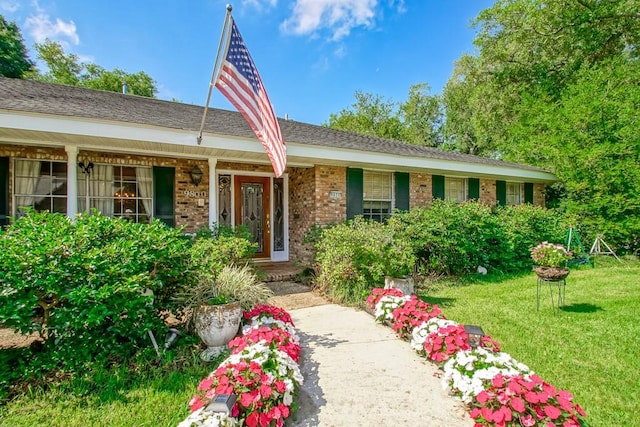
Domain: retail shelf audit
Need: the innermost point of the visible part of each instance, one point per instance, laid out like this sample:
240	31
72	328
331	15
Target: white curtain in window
27	175
101	189
144	179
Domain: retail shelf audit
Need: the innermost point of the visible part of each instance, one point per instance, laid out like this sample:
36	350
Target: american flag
241	84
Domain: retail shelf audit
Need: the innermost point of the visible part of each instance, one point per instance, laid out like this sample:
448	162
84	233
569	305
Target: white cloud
341	51
41	27
259	4
399	5
8	6
337	16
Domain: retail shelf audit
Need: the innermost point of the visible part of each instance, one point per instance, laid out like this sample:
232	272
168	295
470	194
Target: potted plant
216	303
550	260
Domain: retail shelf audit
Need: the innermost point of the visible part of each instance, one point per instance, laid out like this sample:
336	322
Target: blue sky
312	55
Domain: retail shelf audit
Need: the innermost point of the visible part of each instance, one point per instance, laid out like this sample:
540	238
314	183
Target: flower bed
497	389
262	371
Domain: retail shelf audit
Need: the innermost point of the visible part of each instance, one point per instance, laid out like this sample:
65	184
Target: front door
252	206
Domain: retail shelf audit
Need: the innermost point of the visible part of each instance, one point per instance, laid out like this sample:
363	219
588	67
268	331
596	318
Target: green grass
591	347
149	395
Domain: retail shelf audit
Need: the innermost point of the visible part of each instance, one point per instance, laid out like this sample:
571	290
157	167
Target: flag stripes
241	84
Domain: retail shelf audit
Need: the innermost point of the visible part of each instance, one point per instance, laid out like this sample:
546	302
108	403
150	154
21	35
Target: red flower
268	311
527	420
377	294
552	412
517	404
252	419
483	397
531	397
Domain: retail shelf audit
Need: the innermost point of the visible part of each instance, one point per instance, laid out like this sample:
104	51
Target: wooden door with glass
252	206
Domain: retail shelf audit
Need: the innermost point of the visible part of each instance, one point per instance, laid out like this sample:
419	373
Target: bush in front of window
92	288
451	238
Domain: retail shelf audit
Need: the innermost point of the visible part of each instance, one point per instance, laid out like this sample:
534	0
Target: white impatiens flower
468	373
202	418
384	308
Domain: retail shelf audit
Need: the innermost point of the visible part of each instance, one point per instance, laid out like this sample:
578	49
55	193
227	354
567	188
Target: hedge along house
69	150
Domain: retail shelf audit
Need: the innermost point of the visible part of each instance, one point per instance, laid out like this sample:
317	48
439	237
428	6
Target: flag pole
214	73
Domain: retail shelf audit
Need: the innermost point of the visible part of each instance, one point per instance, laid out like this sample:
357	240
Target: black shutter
474	188
501	193
528	192
163	194
437	186
354	192
4	191
402	191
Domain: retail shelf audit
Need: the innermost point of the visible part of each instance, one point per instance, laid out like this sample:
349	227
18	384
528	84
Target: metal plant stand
561	284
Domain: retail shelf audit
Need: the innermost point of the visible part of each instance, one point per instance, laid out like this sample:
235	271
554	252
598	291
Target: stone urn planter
551	273
217	325
405	284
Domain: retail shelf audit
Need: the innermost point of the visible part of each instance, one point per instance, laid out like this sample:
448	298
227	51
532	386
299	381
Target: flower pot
551	273
217	325
405	284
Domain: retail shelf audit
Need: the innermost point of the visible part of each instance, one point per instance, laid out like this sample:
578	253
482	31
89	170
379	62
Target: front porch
278	271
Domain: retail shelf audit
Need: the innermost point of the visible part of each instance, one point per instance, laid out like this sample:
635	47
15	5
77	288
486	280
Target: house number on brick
195	194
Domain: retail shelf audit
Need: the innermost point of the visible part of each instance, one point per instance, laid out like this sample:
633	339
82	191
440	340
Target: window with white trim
515	193
40	185
455	189
377	197
117	191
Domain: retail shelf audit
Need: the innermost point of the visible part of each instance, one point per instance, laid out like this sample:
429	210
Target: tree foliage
417	120
556	84
14	61
66	68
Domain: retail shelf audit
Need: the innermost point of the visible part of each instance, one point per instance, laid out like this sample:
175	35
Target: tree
555	84
370	115
417	120
14	61
422	116
67	69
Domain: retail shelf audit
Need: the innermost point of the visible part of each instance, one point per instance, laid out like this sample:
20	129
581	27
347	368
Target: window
41	185
515	192
455	189
377	195
117	191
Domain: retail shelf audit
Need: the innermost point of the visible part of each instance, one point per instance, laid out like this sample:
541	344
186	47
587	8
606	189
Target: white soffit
310	154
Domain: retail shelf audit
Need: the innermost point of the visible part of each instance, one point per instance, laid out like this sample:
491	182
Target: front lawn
590	348
146	395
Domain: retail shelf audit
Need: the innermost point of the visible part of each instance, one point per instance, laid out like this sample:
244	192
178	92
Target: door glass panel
252	211
278	214
224	200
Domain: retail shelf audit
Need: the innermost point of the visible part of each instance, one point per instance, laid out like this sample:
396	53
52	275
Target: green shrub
524	227
83	286
451	238
354	257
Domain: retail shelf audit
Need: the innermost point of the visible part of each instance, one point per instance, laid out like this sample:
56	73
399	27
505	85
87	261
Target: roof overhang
60	131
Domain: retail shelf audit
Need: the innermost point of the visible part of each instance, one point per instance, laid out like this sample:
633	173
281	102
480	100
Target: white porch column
213	192
72	180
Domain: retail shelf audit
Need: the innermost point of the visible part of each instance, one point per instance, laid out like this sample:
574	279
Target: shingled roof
47	98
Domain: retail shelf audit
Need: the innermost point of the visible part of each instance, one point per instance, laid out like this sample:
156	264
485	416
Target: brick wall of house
330	209
488	192
420	190
245	167
188	213
302	211
538	195
191	204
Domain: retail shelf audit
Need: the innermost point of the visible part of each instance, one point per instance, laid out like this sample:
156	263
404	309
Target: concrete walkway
358	373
